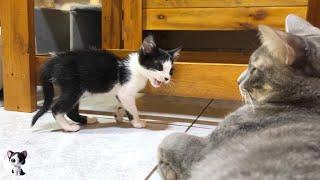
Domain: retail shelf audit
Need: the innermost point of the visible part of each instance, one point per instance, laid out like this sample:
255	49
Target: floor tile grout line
192	123
151	172
200	114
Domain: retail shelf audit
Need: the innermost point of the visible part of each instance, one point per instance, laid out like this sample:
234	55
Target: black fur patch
124	73
118	99
155	59
130	117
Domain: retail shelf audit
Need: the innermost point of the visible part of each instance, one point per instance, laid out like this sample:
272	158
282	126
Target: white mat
106	151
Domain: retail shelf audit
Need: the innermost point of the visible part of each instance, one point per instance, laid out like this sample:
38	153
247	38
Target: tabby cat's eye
252	70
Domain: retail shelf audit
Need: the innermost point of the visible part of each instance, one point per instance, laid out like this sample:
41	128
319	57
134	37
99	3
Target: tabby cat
277	134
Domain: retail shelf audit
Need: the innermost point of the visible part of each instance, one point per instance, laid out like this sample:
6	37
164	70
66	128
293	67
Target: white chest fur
17	170
137	81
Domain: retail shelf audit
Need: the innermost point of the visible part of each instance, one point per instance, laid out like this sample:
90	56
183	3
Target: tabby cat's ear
278	44
298	26
148	44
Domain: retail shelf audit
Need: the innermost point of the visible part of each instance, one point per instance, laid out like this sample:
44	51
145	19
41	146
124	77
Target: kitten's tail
48	93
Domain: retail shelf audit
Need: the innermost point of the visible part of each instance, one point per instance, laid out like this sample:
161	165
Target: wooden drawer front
220	3
204	80
217	18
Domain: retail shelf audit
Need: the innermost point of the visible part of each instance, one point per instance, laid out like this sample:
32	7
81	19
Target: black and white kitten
99	71
17	159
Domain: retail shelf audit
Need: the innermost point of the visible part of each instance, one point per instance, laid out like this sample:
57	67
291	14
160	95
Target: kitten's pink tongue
157	83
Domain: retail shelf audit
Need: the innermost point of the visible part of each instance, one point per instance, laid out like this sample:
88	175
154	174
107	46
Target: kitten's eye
159	67
171	71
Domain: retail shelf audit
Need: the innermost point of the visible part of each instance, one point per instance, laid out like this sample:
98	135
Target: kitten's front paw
139	123
92	120
72	128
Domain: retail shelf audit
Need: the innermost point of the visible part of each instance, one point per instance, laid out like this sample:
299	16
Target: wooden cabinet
197	74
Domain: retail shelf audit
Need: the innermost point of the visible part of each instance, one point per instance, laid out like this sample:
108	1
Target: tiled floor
107	150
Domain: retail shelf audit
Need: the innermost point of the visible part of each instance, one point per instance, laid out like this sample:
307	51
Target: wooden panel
202	57
220	3
204	80
111	24
314	12
217	18
18	55
215	57
132	24
40	60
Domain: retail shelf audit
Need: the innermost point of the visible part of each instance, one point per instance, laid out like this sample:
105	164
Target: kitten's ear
9	154
148	44
24	153
175	53
278	44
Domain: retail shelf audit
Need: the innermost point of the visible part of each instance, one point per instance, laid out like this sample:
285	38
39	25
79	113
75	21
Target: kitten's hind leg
64	104
118	115
74	115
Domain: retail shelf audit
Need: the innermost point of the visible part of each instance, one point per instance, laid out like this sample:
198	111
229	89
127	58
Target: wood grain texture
18	55
111	24
191	79
203	80
215	57
220	3
217	18
314	12
202	57
132	24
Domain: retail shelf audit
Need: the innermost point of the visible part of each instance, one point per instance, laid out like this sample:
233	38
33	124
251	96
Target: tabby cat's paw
166	171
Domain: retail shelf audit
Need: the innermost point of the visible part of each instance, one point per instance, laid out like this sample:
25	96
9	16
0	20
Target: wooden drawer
218	14
203	80
151	4
217	18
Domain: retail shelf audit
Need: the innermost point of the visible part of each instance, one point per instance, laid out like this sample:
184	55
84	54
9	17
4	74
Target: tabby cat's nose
241	77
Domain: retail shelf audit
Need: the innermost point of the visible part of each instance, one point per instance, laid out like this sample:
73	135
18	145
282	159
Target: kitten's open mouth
156	83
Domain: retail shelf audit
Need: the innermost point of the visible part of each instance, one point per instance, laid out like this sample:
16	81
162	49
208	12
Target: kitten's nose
166	79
